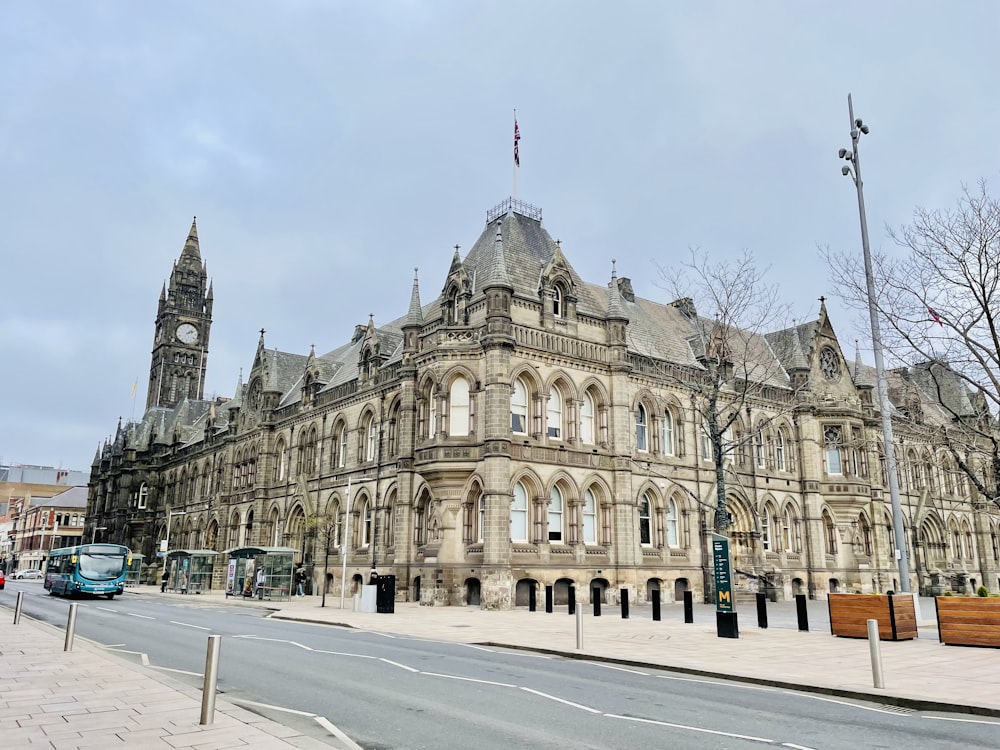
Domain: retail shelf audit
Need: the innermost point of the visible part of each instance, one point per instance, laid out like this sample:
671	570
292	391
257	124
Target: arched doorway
599	590
680	586
560	591
522	591
416	588
472	592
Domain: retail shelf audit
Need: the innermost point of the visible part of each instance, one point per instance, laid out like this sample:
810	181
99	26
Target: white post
876	654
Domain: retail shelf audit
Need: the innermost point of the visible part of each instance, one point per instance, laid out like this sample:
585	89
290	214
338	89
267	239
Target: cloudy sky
328	148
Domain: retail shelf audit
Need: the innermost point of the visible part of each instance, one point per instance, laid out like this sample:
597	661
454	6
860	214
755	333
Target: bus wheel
110	596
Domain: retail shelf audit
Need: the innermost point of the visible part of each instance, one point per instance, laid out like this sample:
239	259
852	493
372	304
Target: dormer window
557	302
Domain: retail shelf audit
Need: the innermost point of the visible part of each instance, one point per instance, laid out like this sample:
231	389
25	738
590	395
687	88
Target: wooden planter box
849	615
968	620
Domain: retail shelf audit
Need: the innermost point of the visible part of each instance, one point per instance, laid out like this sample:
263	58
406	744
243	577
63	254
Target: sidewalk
89	699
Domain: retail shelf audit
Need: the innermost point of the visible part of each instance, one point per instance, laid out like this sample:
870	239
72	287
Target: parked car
31	574
3	581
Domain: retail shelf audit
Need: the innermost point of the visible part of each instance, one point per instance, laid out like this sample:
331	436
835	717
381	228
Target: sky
329	148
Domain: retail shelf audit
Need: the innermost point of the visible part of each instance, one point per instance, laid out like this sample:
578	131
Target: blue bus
88	569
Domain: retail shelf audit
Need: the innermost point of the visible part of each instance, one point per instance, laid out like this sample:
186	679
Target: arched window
366	523
587	419
589	518
831	534
640	429
554	414
673	538
519	514
282	462
557	301
758	448
866	535
765	529
371	438
481	535
831	438
555	515
645	529
668	433
458	408
519	408
779	450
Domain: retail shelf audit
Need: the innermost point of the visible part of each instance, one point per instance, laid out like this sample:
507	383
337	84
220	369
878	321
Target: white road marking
344	653
967	721
384	635
795	747
144	617
142	656
692	729
113	645
244	702
561	700
178	671
844	703
469	679
397	664
188	625
106	609
617	669
348	742
479	648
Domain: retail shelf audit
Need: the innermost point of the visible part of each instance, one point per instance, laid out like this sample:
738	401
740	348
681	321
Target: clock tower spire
183	322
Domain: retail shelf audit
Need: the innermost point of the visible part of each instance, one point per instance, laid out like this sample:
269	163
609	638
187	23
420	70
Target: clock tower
183	322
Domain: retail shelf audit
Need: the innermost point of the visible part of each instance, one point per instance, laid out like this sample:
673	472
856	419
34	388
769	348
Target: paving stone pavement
88	698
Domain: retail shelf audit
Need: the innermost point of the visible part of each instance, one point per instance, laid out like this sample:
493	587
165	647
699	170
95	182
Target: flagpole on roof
517	160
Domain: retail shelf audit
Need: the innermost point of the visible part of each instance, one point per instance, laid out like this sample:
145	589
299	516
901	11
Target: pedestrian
261	581
163	583
300	581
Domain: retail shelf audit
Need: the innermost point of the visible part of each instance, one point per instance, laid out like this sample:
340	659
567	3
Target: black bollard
656	606
572	600
595	597
800	608
688	606
532	597
624	596
548	599
761	610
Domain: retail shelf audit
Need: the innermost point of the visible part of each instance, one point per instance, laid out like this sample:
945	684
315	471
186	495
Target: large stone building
518	432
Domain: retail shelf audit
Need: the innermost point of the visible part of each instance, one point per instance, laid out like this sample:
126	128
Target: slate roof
75	497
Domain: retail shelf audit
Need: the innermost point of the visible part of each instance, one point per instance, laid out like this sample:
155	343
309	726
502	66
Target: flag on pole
134	386
517	137
935	316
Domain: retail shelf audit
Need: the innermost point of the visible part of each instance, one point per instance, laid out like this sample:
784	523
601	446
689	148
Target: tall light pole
345	541
853	169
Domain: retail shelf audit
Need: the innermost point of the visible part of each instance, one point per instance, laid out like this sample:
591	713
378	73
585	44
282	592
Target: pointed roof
616	310
415	315
191	247
495	273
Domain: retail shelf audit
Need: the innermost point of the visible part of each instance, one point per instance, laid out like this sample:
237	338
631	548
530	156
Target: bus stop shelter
244	564
133	575
189	571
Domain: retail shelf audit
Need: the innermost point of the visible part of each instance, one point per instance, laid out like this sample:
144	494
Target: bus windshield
101	567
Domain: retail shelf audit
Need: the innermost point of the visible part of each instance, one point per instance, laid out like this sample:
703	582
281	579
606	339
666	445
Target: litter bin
385	597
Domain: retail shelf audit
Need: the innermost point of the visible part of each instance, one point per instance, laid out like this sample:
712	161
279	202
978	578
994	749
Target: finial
822	299
415	270
262	332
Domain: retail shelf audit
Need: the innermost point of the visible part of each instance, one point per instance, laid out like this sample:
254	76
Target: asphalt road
397	693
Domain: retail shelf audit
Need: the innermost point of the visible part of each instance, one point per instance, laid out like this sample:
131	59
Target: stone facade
518	432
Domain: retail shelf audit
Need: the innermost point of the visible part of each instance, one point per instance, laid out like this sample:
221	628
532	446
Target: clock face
187	333
829	364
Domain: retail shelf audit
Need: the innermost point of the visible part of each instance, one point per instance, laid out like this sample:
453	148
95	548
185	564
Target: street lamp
166	542
853	169
344	542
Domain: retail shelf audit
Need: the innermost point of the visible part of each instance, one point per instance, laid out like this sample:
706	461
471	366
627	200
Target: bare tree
735	308
940	302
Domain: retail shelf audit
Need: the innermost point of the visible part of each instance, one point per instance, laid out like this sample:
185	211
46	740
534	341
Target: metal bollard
211	680
800	607
572	600
595	597
873	646
548	599
579	629
17	607
532	599
624	599
688	606
656	606
761	610
70	627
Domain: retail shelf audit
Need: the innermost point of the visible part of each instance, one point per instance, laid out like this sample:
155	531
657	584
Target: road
397	693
